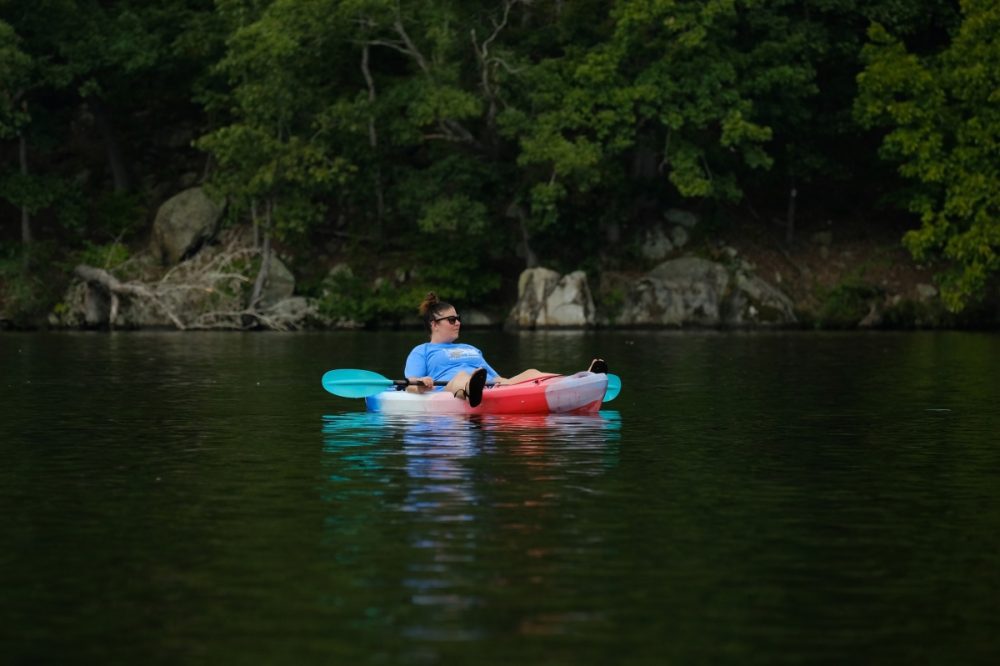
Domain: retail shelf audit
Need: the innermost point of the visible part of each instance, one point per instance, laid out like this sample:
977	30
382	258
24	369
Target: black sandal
476	385
598	365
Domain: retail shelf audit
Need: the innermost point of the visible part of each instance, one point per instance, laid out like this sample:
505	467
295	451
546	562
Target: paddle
361	383
349	383
614	387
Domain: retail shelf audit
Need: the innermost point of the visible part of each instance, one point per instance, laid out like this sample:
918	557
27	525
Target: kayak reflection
419	505
445	462
454	433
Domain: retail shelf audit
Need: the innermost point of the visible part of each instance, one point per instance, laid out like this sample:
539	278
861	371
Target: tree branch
486	62
410	46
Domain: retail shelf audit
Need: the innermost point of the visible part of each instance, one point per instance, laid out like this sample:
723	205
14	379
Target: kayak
581	393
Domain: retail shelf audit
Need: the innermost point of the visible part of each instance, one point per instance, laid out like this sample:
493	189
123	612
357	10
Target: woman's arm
415	370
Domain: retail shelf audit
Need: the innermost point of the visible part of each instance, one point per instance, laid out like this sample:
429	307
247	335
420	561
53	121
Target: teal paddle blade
348	383
614	387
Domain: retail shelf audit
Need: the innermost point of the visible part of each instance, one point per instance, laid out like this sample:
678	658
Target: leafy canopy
943	115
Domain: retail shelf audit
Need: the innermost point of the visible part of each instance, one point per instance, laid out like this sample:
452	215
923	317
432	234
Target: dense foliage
450	143
944	113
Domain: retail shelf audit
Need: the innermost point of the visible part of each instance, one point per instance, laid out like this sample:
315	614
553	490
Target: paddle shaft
614	385
401	384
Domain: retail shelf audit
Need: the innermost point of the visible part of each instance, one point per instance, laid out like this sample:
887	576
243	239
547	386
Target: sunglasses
453	319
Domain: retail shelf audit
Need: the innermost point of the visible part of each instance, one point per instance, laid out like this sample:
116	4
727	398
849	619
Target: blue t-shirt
443	360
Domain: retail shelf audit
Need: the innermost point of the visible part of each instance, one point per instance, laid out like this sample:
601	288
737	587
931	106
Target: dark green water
770	499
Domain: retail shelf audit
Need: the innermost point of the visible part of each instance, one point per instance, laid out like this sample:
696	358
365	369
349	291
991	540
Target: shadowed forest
384	148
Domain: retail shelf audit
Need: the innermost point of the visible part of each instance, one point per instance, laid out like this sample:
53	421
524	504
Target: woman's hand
420	384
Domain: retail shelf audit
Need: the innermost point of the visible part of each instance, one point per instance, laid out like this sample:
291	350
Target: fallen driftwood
207	291
100	278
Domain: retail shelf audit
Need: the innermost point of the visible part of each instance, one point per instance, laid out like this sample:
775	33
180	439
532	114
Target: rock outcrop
697	292
683	292
548	300
686	291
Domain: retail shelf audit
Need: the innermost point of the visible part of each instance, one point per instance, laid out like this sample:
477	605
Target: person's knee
459	380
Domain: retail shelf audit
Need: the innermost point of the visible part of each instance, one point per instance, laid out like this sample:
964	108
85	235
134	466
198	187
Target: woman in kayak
462	366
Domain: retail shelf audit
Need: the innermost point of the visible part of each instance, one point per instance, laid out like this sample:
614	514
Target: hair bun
430	300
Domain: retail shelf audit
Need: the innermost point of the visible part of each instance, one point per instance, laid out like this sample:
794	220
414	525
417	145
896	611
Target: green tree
17	186
366	119
14	73
271	160
943	115
638	104
641	103
430	103
118	60
800	63
111	75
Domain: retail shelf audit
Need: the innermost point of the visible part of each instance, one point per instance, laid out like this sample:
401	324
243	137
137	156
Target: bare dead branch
410	46
487	64
498	27
111	284
204	292
394	45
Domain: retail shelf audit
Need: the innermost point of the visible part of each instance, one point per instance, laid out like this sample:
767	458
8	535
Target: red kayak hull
581	393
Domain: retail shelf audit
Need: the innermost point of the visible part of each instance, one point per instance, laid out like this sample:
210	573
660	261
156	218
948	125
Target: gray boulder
925	292
756	302
533	286
697	292
679	236
183	224
478	318
295	313
681	217
678	292
656	245
280	283
548	300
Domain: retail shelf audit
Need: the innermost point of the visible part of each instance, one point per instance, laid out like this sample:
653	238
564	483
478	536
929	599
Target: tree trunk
517	212
265	261
22	152
255	219
373	143
116	160
790	225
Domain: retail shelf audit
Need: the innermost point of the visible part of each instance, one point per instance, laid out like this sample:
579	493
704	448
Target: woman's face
445	326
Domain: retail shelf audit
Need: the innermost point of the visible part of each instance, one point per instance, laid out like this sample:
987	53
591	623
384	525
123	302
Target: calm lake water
797	498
